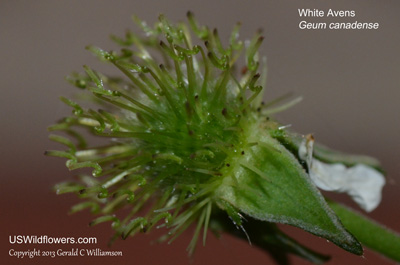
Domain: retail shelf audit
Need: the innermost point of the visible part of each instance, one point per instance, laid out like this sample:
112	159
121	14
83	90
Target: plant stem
368	232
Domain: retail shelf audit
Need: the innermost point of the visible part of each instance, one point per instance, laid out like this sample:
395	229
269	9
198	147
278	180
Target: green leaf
370	233
269	184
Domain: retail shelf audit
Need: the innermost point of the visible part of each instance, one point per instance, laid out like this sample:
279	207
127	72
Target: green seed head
187	139
176	124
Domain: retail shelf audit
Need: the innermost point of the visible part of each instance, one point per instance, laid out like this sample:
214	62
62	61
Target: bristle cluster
172	127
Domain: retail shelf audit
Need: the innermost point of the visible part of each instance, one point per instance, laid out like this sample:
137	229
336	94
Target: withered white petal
364	184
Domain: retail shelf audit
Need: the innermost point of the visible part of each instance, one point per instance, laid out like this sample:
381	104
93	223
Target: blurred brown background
350	81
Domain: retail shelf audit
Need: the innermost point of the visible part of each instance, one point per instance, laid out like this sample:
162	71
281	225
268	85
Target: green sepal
269	184
326	154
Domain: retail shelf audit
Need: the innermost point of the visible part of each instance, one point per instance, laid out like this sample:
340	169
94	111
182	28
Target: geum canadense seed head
187	139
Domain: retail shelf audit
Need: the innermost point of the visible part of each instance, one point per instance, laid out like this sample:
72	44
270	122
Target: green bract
187	140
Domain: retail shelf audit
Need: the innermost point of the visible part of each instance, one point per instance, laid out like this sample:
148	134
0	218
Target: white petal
364	184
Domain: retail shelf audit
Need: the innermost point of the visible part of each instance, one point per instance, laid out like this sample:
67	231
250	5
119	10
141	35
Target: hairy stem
368	232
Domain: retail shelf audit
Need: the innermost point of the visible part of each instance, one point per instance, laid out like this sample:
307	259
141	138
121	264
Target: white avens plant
187	139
